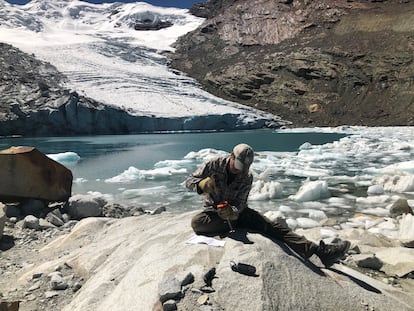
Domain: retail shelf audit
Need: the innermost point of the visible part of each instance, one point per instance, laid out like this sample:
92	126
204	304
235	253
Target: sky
165	3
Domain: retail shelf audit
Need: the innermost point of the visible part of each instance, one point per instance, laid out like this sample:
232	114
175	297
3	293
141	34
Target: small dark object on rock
243	268
207	289
209	276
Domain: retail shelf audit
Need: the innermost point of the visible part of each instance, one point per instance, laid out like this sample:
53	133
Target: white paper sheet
201	239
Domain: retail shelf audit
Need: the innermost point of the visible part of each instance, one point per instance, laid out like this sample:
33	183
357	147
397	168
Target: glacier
104	58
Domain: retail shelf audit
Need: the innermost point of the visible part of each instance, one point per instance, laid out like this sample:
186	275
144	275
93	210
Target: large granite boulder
25	172
146	262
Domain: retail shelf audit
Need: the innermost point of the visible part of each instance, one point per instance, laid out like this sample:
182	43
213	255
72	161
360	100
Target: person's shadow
240	234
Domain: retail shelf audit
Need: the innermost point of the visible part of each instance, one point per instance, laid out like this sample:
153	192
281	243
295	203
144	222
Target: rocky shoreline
70	256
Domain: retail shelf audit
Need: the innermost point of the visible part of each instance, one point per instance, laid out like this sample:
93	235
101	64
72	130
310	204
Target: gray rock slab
123	261
398	261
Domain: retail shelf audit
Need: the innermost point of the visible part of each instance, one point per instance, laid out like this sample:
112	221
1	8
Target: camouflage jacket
235	193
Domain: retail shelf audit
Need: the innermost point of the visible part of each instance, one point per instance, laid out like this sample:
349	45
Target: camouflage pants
208	222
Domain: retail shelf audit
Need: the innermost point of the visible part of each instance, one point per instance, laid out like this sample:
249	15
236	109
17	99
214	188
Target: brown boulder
25	172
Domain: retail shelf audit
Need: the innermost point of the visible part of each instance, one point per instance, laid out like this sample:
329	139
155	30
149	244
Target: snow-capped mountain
105	58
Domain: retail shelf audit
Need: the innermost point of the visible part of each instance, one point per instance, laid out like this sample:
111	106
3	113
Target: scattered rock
55	217
400	207
84	205
185	278
207	289
169	288
169	305
37	275
158	210
31	222
34	287
57	282
44	224
202	300
76	286
119	211
369	261
209	276
50	294
314	108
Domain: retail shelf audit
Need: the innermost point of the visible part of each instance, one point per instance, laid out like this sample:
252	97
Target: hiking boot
329	254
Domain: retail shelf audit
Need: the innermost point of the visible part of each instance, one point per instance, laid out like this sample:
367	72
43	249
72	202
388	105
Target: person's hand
228	212
207	185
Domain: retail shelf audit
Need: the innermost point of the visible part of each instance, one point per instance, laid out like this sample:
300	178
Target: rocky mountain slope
116	80
36	102
314	63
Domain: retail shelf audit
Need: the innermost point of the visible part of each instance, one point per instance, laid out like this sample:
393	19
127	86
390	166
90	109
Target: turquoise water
155	163
146	149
